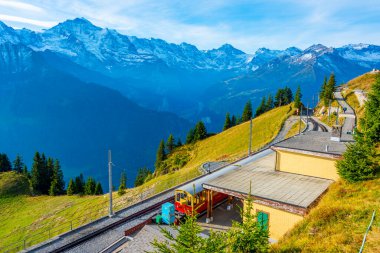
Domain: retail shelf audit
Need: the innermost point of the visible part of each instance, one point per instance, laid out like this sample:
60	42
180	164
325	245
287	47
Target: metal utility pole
307	114
250	137
110	182
299	131
337	116
329	108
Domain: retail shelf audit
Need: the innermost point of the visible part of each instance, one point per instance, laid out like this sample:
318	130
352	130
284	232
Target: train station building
285	184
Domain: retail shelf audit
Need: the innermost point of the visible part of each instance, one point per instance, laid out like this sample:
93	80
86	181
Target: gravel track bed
71	236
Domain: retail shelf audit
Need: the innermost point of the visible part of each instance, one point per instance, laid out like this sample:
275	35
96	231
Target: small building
313	153
287	183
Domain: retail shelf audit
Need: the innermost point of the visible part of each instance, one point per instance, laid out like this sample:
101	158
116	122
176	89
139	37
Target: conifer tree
233	120
330	87
248	236
170	143
247	112
160	155
70	188
89	188
227	122
323	91
123	183
57	183
190	136
79	184
270	104
48	172
261	108
142	175
360	160
297	98
18	164
288	95
200	131
36	174
5	164
98	189
371	120
25	171
179	143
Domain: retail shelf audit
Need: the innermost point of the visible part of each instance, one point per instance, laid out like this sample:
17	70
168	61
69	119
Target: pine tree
5	164
36	176
49	172
25	171
329	91
270	104
170	143
261	108
89	188
179	143
200	131
98	189
371	121
142	175
233	120
279	98
360	160
79	185
123	184
227	122
323	91
58	178
297	98
160	155
247	112
188	239
248	236
190	136
18	164
288	95
70	188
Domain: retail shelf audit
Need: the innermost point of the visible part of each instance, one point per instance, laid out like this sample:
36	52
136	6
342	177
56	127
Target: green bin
158	219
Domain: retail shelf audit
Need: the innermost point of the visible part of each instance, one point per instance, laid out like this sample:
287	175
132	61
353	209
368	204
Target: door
263	219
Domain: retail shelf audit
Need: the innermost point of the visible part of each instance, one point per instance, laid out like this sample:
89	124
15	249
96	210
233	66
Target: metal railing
50	230
367	231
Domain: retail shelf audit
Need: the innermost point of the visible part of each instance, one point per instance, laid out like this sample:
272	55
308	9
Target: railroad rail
317	125
133	216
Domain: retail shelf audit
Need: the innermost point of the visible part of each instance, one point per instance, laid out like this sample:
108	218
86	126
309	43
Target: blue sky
247	25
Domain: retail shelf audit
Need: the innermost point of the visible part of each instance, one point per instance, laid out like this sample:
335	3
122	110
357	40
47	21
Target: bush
358	163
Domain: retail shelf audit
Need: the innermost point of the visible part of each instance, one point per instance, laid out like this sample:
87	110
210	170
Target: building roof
315	142
198	184
267	184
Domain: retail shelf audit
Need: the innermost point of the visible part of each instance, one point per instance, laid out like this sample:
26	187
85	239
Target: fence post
49	233
24	243
71	225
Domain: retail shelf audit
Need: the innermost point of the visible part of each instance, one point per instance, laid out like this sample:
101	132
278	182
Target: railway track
317	125
95	233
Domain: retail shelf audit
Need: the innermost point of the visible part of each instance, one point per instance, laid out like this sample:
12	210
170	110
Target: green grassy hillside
339	221
363	82
12	184
26	216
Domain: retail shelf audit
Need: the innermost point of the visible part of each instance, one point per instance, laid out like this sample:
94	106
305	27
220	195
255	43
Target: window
178	197
263	219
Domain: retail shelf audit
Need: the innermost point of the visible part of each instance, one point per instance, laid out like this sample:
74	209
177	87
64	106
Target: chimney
336	133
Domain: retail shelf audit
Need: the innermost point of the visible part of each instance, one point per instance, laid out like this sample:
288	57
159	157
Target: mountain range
98	88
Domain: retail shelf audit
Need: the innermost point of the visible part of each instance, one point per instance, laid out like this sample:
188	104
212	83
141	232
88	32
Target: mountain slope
46	110
229	145
182	79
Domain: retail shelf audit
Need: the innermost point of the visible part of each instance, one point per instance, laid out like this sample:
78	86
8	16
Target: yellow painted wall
279	221
306	165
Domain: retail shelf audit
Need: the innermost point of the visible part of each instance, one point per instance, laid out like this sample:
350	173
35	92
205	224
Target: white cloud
35	22
20	5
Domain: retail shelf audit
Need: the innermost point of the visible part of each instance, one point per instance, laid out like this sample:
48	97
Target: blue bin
167	213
